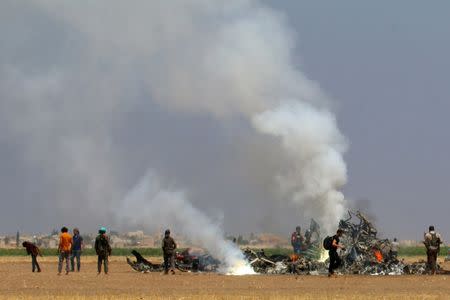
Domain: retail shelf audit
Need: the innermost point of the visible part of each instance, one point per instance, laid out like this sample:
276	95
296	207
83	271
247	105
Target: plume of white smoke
230	60
310	138
151	205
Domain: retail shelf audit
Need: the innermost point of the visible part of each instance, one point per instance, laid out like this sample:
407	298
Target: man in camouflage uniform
103	250
168	247
433	244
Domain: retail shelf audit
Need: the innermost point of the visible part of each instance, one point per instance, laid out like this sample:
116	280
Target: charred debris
365	253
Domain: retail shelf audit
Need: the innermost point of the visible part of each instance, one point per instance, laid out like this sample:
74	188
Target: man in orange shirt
64	248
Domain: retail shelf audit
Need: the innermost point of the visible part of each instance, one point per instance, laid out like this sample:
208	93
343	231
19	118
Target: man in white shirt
394	248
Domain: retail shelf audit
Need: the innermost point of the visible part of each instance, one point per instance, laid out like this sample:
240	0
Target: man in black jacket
335	260
168	247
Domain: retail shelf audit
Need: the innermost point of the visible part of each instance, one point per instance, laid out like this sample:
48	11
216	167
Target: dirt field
17	282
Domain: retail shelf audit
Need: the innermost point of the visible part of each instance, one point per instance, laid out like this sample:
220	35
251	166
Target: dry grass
19	283
54	259
213	297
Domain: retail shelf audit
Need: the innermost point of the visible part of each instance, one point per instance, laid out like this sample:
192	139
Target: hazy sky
385	65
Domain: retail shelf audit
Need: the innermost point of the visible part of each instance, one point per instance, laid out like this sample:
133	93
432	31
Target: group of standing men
70	248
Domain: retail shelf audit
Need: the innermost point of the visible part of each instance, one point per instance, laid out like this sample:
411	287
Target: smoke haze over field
211	96
154	204
231	65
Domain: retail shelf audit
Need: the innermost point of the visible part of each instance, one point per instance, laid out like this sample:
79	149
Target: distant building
135	234
409	243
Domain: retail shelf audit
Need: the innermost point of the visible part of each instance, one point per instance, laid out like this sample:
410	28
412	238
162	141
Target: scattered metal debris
367	254
282	264
195	261
364	254
142	265
275	264
313	241
185	261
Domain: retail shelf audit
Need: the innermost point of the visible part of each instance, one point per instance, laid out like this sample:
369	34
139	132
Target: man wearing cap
103	250
432	241
168	247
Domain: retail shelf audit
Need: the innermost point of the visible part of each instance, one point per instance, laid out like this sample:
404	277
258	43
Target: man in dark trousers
433	245
77	245
335	260
103	250
168	247
34	251
64	248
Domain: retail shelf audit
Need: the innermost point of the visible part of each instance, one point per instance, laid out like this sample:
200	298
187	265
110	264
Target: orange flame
378	255
294	257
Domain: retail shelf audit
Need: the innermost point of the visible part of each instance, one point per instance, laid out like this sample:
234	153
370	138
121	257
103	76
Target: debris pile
312	245
275	264
185	261
196	260
282	264
142	265
363	253
366	254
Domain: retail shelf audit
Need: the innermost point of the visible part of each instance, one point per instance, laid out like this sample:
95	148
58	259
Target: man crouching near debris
168	247
34	251
335	260
433	244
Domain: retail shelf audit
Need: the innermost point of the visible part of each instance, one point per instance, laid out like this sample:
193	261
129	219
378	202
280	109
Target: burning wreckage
364	254
185	261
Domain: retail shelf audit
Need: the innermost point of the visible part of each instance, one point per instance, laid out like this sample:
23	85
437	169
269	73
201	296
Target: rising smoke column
246	69
310	138
152	205
69	85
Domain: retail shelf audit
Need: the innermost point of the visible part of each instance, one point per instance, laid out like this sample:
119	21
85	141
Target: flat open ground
18	282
